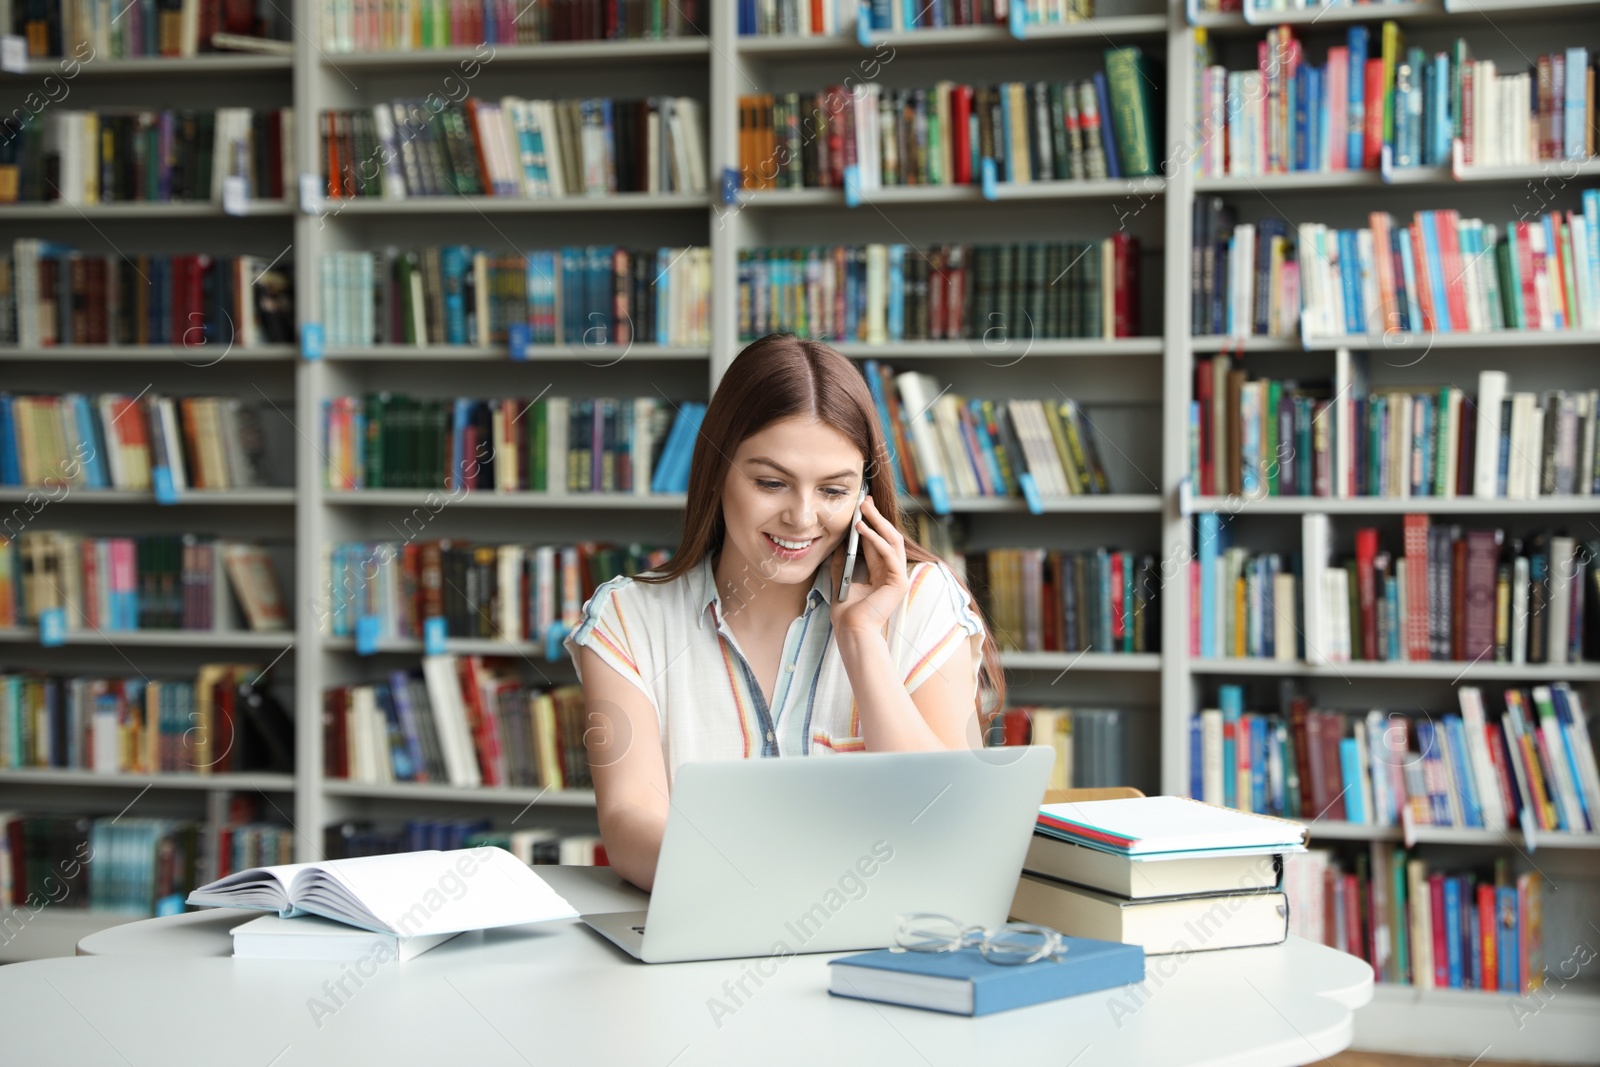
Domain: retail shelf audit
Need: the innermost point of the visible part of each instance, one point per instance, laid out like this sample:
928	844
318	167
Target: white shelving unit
1556	1026
1129	386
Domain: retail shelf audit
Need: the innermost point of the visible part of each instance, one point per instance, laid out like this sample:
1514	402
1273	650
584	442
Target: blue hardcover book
897	292
1356	80
964	983
1210	537
661	477
91	449
1196	760
10	459
1350	281
1272	565
1299	88
1435	268
1439	146
1507	933
1471	806
1103	630
1350	773
875	386
1127	601
1565	730
409	728
1576	115
1107	137
1452	930
991	459
1408	272
454	263
680	475
1231	699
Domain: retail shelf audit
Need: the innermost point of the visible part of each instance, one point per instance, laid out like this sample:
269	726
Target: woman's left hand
868	606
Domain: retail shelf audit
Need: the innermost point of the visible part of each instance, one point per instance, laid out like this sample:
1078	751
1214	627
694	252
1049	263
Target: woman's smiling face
789	496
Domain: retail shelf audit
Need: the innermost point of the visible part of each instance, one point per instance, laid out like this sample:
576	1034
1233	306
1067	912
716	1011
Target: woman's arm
623	738
939	715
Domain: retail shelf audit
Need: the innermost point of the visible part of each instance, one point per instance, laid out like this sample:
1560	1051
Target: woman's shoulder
645	595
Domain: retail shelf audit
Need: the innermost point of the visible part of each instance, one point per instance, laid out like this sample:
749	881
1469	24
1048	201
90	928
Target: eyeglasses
1010	944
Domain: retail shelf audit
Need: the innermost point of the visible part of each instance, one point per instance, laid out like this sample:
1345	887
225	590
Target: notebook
311	937
1168	828
408	894
964	983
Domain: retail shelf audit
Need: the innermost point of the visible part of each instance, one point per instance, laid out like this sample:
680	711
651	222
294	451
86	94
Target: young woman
739	647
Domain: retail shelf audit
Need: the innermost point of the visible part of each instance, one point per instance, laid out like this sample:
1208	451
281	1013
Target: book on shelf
132	865
149	582
512	147
1451	594
396	894
553	445
222	720
1244	277
1420	926
532	845
168	156
1090	743
507	592
879	293
1373	94
460	721
117	441
51	294
142	28
432	24
828	18
262	46
1446	274
1532	767
1092	129
599	296
1049	600
943	444
1342	438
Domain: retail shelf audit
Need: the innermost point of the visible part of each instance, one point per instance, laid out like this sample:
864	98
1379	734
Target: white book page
1172	824
255	887
414	893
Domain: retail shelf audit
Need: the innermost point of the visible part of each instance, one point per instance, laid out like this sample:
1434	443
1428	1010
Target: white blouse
672	641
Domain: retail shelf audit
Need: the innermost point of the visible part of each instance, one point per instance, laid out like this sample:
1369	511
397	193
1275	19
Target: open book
409	894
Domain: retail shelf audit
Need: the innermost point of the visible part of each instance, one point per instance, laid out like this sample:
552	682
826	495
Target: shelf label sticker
990	177
166	489
235	195
852	184
53	627
433	635
518	336
366	635
311	194
1030	492
311	340
552	641
13	53
937	493
864	25
730	185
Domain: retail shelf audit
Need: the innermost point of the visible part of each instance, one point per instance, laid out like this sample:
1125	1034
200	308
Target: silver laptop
780	856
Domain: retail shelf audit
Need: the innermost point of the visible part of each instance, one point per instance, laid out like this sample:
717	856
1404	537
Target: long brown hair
782	376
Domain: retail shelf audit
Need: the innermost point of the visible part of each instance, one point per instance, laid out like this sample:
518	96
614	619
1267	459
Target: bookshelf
1130	384
1402	1018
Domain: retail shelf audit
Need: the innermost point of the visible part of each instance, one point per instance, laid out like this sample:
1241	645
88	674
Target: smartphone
852	546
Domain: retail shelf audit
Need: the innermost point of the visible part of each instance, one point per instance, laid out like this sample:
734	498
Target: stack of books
1167	873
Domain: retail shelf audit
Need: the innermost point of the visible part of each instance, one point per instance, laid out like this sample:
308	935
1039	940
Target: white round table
163	992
